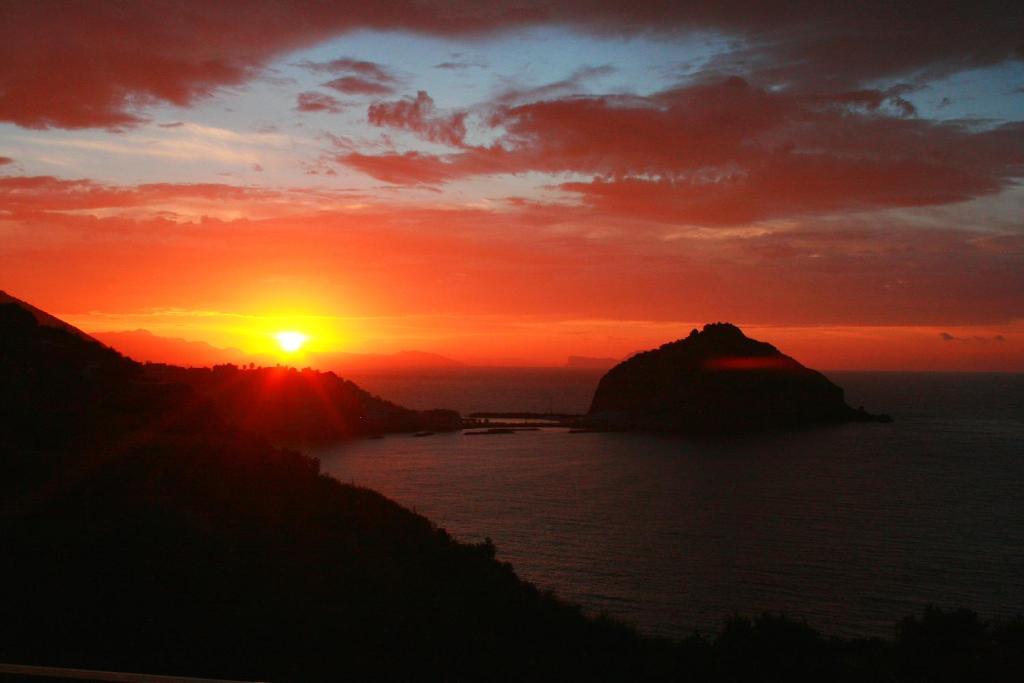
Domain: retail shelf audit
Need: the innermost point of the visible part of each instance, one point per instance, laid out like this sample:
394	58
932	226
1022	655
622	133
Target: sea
848	527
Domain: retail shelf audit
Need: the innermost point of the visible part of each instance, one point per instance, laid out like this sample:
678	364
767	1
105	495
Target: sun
290	342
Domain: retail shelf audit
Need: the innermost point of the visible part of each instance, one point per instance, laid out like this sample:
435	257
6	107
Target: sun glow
290	342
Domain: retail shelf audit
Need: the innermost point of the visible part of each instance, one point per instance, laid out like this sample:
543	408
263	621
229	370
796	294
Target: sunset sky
512	183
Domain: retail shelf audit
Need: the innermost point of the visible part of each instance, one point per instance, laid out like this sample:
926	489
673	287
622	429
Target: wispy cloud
974	339
180	141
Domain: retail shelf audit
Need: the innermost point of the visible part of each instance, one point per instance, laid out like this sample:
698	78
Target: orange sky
509	187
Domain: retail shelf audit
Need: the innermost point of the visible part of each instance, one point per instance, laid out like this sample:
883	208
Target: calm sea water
850	527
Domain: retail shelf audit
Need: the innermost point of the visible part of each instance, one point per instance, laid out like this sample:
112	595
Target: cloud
420	116
837	47
370	70
27	194
455	66
32	198
719	153
314	101
864	272
183	142
102	64
570	85
362	77
975	339
355	85
873	100
410	168
6	160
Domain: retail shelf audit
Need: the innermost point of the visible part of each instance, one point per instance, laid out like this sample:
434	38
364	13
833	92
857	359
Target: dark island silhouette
143	530
717	380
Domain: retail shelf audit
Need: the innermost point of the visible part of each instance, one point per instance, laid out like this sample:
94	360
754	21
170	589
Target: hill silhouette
143	345
143	534
716	380
293	406
144	530
42	317
52	374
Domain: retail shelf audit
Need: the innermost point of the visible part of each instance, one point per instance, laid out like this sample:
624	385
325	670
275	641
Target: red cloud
354	85
371	70
722	153
785	186
408	260
6	160
411	168
415	168
30	194
314	101
75	65
420	116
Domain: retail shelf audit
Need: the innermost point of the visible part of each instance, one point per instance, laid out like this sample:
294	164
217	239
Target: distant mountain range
143	345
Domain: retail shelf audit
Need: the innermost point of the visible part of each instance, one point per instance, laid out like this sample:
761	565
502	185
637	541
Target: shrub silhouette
957	645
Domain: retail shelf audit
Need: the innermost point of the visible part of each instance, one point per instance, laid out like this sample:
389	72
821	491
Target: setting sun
290	342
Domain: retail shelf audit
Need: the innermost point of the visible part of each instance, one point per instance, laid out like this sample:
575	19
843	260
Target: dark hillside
285	404
225	557
143	532
52	375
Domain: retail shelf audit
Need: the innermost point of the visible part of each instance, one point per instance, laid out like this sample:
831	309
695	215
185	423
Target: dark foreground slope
137	537
141	532
224	557
717	380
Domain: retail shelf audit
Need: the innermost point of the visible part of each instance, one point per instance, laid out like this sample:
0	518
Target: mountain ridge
51	371
44	318
146	346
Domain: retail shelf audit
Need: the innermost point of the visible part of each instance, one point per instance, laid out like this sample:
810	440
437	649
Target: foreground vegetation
230	558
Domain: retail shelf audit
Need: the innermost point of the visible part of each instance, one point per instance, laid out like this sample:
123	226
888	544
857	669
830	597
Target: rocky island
717	380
